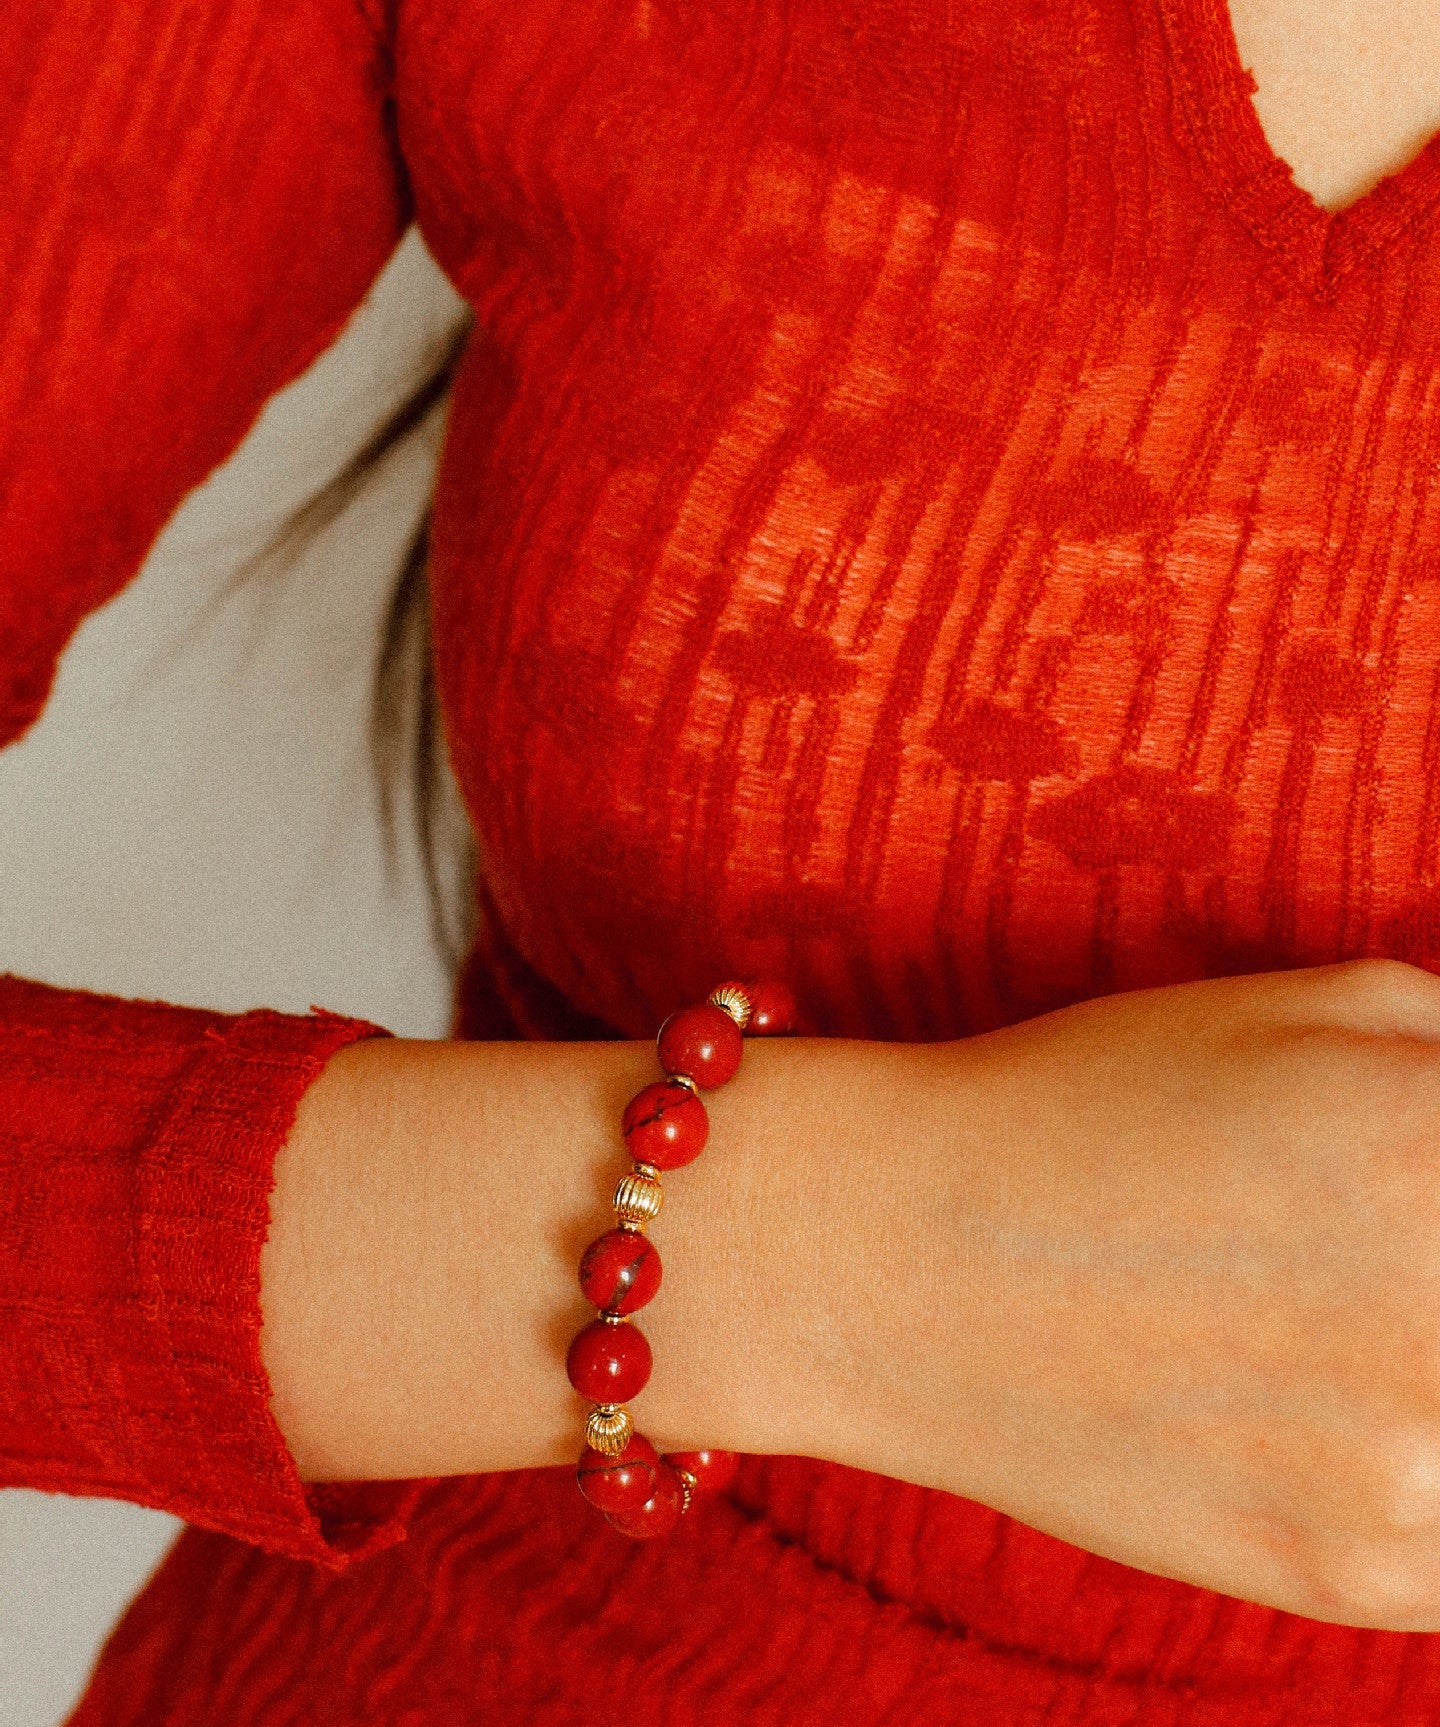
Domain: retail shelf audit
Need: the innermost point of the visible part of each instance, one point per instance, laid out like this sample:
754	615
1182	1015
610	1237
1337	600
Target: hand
1160	1275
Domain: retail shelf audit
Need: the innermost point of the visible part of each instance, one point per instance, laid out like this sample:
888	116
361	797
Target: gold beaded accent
685	1080
608	1428
731	999
638	1198
688	1484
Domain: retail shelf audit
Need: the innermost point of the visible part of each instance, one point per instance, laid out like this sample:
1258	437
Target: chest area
959	602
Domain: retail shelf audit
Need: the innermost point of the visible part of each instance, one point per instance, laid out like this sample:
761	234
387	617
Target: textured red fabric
139	338
931	512
136	1149
195	198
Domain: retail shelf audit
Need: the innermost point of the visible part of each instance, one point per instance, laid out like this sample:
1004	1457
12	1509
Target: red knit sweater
931	511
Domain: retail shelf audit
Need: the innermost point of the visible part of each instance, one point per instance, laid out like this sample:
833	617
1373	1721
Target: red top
931	512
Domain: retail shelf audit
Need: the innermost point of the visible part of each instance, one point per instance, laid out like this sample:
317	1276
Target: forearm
434	1199
1157	1274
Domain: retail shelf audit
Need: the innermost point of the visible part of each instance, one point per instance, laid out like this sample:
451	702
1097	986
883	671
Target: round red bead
665	1125
620	1271
712	1469
773	1012
619	1484
702	1042
659	1514
608	1363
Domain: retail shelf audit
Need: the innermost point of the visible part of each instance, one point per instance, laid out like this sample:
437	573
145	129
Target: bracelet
665	1127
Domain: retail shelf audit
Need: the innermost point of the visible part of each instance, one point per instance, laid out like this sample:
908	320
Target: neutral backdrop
195	818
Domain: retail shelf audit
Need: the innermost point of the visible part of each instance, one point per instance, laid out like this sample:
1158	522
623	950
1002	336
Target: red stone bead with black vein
665	1125
620	1271
622	1483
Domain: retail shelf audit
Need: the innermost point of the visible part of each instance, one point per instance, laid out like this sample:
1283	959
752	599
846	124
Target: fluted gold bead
638	1198
608	1428
731	999
688	1484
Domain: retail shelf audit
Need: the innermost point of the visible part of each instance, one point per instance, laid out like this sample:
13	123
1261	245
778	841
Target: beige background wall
195	818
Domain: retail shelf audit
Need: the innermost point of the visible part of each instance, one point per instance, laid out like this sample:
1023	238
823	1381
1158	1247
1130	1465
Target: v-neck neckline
1317	247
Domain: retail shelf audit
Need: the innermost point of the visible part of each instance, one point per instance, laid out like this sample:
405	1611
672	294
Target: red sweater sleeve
197	193
136	1148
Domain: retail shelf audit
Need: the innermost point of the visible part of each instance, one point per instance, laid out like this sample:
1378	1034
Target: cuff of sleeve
204	1214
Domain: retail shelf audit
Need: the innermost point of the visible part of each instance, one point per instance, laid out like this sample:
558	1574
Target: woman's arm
1159	1274
431	1207
196	198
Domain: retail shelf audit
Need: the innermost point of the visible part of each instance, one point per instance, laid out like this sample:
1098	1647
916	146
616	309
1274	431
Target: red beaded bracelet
665	1127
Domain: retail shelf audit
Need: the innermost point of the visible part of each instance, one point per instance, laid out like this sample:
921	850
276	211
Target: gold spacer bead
688	1484
638	1198
731	999
608	1428
685	1080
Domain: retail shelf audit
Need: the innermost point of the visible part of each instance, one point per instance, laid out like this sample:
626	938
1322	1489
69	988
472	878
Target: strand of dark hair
407	738
406	711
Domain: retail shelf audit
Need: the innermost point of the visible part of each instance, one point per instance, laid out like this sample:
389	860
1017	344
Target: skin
1159	1274
1348	90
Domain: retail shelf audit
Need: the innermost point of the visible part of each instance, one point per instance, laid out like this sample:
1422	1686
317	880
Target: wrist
884	1324
778	1244
434	1201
